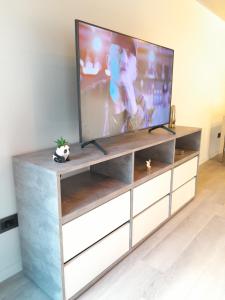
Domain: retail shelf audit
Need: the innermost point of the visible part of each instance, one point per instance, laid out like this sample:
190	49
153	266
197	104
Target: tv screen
124	83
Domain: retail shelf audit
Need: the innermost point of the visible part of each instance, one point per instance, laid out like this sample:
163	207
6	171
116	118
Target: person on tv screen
122	65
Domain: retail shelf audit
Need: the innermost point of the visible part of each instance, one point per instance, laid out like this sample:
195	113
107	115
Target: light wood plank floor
185	259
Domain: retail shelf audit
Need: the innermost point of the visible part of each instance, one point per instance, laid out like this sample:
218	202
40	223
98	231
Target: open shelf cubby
87	190
187	146
161	157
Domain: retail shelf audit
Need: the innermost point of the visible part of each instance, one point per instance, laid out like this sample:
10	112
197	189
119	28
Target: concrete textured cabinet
78	219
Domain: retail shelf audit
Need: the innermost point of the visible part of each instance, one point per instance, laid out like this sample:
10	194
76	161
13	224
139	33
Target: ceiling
216	6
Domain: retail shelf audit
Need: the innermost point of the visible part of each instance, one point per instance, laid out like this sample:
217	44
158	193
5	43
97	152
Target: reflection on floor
184	260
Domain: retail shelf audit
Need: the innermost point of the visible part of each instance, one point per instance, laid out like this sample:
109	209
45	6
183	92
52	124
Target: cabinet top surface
115	146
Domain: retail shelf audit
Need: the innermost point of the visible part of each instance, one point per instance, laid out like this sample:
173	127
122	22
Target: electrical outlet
219	135
8	223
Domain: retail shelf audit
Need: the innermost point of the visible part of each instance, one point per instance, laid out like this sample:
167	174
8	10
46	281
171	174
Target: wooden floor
184	260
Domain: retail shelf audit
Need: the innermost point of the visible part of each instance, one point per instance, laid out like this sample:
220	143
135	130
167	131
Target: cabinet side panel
119	168
38	213
190	142
163	152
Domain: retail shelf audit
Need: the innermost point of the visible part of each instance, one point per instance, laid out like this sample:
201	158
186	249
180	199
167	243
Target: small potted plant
62	151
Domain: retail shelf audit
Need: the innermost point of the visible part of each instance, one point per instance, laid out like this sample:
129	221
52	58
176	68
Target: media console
80	218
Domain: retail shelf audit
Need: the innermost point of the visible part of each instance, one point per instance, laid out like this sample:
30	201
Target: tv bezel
81	140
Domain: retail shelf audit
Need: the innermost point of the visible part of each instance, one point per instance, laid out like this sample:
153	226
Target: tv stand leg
96	144
163	127
168	129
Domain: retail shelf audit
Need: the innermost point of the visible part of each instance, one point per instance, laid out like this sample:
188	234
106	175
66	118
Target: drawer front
183	195
92	226
151	191
185	172
147	221
85	267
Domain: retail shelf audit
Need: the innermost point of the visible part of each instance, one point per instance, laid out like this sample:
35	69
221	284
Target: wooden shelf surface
116	146
141	173
188	154
85	191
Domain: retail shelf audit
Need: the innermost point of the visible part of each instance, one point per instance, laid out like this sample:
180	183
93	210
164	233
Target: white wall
38	75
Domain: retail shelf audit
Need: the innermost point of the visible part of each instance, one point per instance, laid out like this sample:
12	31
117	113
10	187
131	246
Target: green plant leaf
61	142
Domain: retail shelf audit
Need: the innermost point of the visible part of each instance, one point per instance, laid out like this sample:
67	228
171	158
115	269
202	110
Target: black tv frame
85	143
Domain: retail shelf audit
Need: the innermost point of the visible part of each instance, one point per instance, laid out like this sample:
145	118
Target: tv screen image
125	83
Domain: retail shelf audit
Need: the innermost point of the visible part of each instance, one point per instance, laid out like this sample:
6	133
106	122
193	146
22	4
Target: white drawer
183	195
151	191
92	226
147	221
185	172
85	267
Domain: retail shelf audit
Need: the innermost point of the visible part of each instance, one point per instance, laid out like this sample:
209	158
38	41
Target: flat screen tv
124	83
